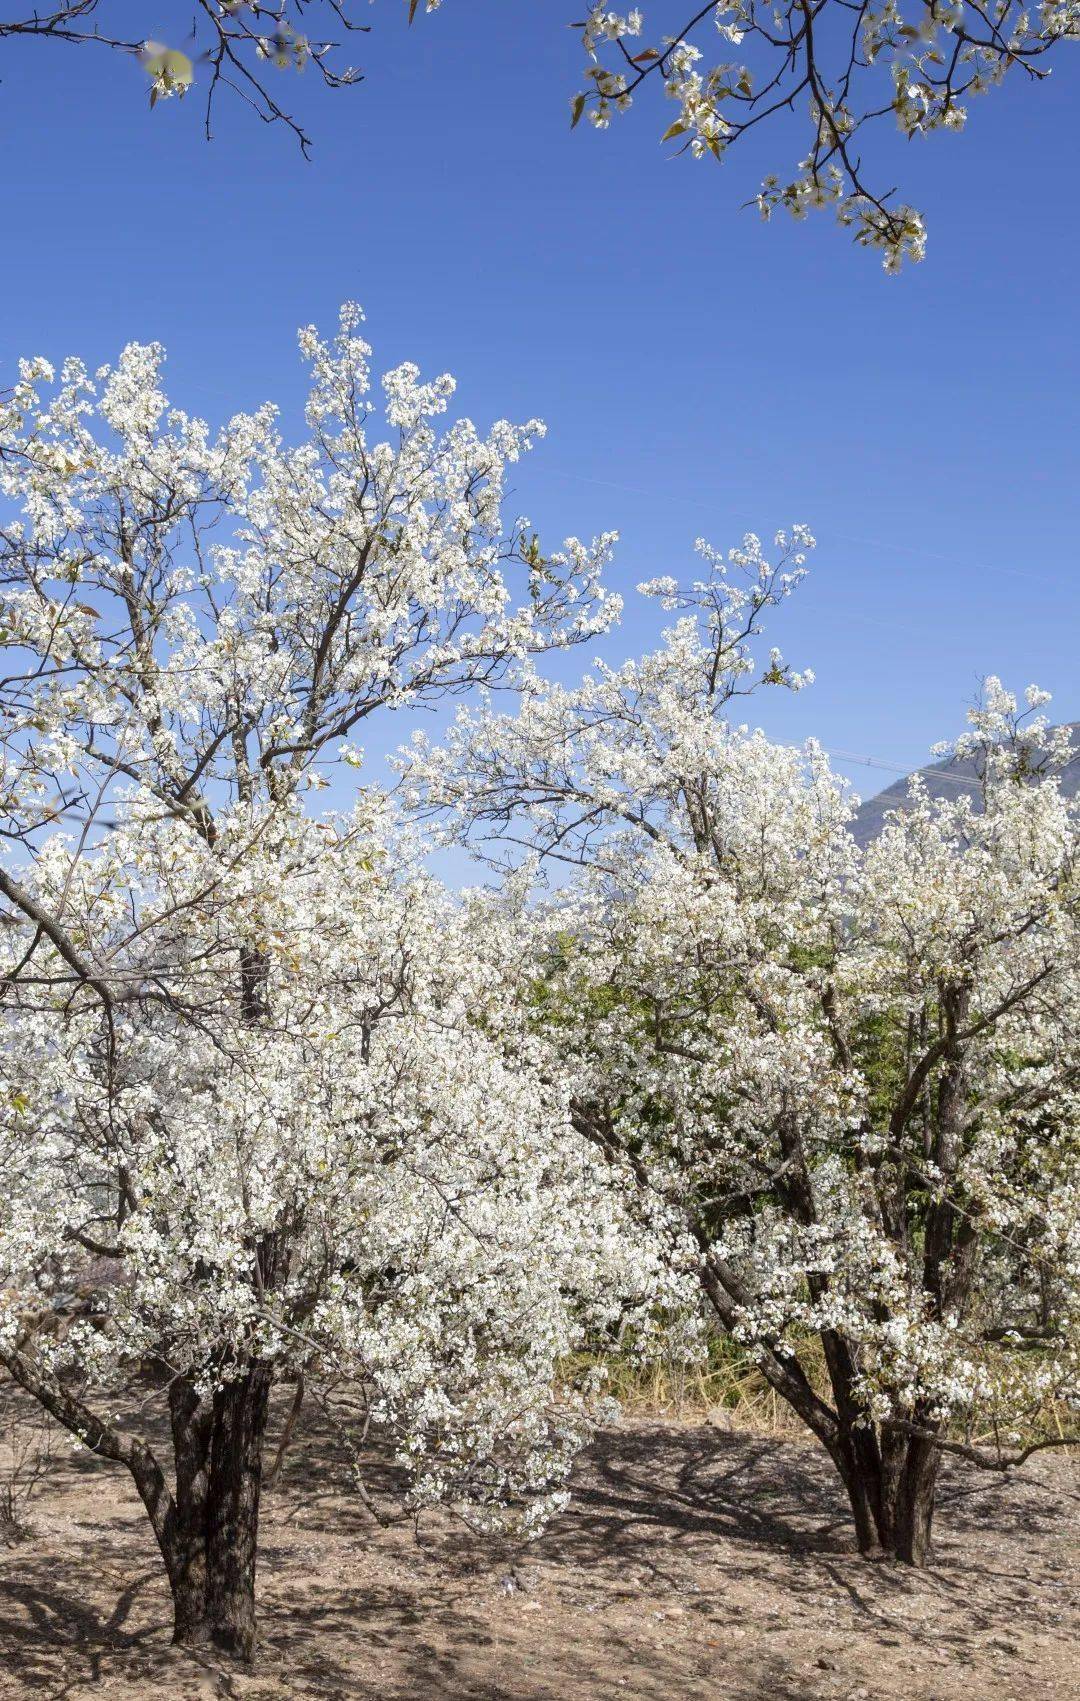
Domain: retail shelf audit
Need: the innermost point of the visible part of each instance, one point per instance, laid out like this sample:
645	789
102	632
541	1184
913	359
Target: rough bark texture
890	1476
210	1550
914	1510
191	1429
232	1522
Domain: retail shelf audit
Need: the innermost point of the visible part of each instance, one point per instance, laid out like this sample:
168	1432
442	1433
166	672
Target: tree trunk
913	1512
186	1556
232	1510
890	1484
862	1492
207	1531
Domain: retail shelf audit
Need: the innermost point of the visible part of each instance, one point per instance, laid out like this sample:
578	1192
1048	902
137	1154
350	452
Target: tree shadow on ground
720	1527
42	1618
655	1503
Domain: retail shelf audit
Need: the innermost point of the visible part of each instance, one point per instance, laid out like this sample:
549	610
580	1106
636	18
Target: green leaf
577	107
179	69
675	129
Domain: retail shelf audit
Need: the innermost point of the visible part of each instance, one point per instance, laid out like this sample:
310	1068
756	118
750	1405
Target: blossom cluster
845	69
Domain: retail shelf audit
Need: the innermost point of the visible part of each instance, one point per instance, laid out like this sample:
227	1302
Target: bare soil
693	1562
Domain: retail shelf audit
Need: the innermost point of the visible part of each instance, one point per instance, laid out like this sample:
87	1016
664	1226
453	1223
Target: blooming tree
853	1079
265	1109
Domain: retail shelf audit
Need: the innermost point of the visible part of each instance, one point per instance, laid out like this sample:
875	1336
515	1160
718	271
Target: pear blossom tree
372	1180
266	1110
852	1079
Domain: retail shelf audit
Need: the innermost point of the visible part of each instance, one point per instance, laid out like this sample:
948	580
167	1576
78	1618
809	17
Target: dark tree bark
232	1511
914	1510
207	1530
891	1478
192	1426
211	1552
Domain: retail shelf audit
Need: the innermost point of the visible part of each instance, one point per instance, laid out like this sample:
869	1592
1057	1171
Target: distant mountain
944	779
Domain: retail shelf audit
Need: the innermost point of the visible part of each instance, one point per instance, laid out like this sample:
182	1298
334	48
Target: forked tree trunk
889	1471
891	1479
890	1474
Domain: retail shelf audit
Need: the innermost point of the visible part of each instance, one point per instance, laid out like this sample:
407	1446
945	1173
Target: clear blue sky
700	372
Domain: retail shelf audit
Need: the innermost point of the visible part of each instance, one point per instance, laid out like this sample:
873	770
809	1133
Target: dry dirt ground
694	1562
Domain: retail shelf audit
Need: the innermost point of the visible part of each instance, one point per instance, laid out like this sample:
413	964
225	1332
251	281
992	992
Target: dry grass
726	1386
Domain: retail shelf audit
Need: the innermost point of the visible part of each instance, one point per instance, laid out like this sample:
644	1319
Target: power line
895	768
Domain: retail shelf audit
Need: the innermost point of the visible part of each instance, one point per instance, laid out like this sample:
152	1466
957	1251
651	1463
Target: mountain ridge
948	778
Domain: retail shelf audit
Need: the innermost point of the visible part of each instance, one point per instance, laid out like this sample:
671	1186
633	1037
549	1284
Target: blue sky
700	373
